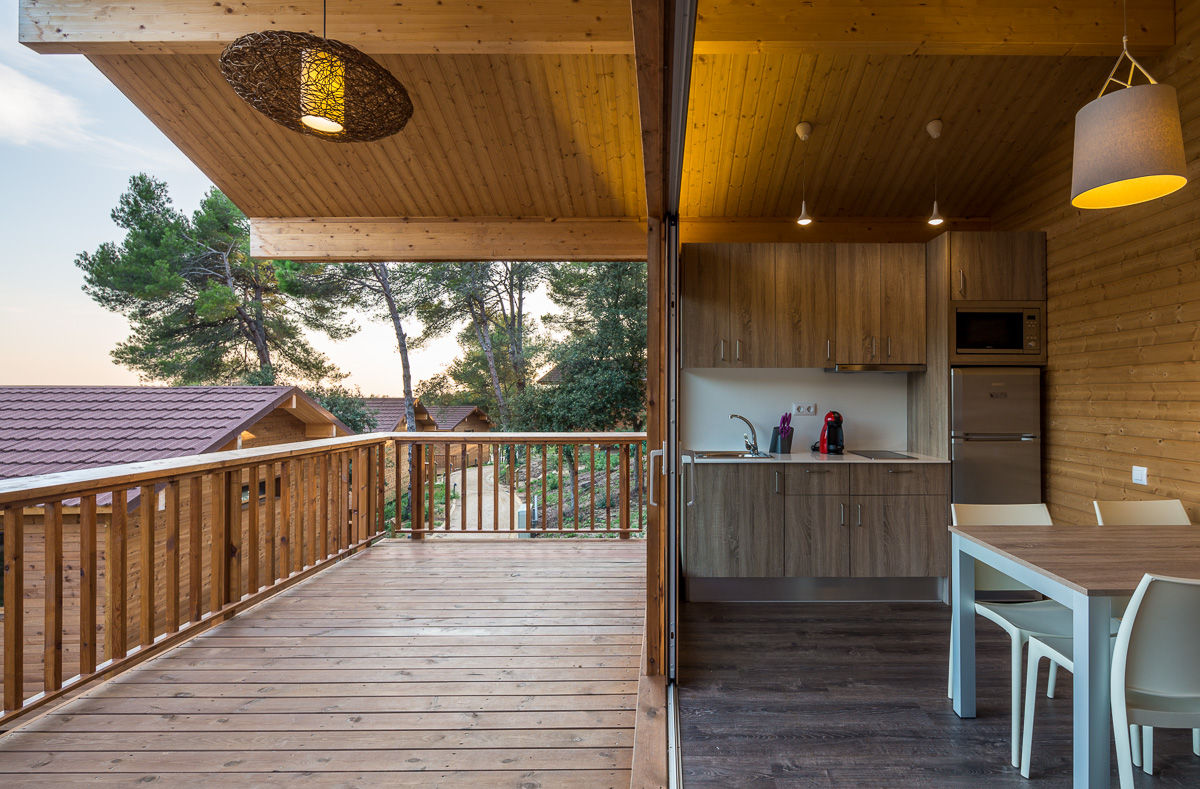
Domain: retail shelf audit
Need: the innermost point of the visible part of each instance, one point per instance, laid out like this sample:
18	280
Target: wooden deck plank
452	664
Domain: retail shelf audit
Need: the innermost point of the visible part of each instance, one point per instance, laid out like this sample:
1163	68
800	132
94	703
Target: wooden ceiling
537	111
491	135
869	154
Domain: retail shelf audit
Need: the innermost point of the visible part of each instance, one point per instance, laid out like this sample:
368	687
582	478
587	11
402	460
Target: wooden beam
375	26
382	238
950	27
650	53
834	230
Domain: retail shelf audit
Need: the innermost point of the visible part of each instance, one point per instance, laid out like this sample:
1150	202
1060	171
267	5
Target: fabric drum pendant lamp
1128	143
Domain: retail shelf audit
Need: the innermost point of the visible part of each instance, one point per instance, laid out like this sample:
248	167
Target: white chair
1018	620
1148	512
1156	664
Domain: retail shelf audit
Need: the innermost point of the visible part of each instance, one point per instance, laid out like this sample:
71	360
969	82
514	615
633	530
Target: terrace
304	629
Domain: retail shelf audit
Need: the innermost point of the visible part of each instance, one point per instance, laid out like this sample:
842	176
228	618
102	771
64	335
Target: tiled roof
447	417
551	376
388	412
45	429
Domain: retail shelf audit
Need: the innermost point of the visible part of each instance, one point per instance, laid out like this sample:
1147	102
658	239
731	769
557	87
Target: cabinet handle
859	515
722	349
962	281
776	481
889	347
816	471
842	515
899	471
828	349
874	346
737	350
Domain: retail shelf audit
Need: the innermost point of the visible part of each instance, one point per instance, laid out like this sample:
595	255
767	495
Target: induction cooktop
881	454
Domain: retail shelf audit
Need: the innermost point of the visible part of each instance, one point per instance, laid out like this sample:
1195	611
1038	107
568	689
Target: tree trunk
483	332
410	410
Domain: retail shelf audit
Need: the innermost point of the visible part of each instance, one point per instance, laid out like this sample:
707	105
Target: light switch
1139	475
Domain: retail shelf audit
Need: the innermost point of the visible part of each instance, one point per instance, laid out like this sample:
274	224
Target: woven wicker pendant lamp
316	86
1128	143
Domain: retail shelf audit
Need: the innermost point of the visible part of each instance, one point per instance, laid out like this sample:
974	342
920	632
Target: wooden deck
480	664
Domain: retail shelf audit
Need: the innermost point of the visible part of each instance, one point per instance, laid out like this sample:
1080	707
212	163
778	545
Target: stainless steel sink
730	453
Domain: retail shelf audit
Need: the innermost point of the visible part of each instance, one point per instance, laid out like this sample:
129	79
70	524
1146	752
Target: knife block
780	446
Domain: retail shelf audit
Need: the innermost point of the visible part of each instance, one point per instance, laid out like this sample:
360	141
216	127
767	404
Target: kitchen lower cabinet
898	536
816	539
734	528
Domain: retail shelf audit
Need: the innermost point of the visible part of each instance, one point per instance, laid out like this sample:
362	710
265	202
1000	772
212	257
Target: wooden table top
1095	560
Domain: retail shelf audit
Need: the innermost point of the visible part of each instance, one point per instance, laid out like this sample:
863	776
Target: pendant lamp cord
324	19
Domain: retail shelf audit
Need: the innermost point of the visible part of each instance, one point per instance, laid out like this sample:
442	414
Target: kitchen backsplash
874	405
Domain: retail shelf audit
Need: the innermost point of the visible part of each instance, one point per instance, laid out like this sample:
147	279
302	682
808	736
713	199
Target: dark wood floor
778	695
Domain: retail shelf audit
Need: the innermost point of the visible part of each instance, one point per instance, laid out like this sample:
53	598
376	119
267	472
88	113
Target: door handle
722	349
859	515
962	281
737	350
889	347
661	455
777	482
691	456
842	514
828	349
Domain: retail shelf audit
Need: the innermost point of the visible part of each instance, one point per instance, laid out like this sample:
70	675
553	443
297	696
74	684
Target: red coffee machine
831	441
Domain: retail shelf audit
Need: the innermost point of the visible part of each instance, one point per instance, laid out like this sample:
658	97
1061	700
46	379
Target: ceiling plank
417	239
422	27
950	27
784	230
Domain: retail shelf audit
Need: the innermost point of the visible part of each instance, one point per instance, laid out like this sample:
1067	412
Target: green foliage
347	405
201	310
603	358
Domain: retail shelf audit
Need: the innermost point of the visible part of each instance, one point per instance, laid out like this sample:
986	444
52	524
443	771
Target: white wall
874	406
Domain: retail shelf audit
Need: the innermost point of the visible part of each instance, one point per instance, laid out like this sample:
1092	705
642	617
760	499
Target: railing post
252	537
195	546
147	507
285	520
379	455
171	502
114	580
416	492
14	609
52	634
87	585
233	536
625	497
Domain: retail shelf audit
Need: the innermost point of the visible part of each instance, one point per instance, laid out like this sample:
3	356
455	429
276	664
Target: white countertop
817	457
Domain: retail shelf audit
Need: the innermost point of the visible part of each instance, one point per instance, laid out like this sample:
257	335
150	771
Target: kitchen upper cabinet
997	266
804	305
881	311
704	274
897	536
734	527
752	289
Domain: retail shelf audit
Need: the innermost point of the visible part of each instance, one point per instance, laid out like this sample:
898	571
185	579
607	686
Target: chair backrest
1151	512
1158	645
986	577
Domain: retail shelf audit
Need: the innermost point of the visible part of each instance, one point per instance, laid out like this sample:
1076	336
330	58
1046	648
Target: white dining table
1085	568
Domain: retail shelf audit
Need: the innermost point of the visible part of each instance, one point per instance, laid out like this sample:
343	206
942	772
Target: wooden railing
105	567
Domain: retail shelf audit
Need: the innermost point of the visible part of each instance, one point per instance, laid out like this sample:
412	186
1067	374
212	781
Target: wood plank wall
1123	382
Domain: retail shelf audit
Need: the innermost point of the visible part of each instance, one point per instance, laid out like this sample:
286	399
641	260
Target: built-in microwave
998	332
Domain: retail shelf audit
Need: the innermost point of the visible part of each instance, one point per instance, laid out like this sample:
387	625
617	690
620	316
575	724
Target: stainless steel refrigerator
995	435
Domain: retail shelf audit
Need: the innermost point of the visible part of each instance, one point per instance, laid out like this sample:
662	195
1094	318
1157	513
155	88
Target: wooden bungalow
49	429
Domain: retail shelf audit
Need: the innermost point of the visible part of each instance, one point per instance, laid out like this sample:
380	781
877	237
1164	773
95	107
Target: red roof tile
448	417
45	429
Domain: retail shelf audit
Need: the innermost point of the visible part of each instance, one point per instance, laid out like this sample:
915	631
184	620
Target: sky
69	141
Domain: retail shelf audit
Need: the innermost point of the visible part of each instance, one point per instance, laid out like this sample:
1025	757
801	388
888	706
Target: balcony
268	615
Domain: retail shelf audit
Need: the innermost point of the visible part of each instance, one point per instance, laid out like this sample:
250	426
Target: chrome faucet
752	439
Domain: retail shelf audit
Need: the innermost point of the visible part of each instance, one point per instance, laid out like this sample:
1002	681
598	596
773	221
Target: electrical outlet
805	409
1139	476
